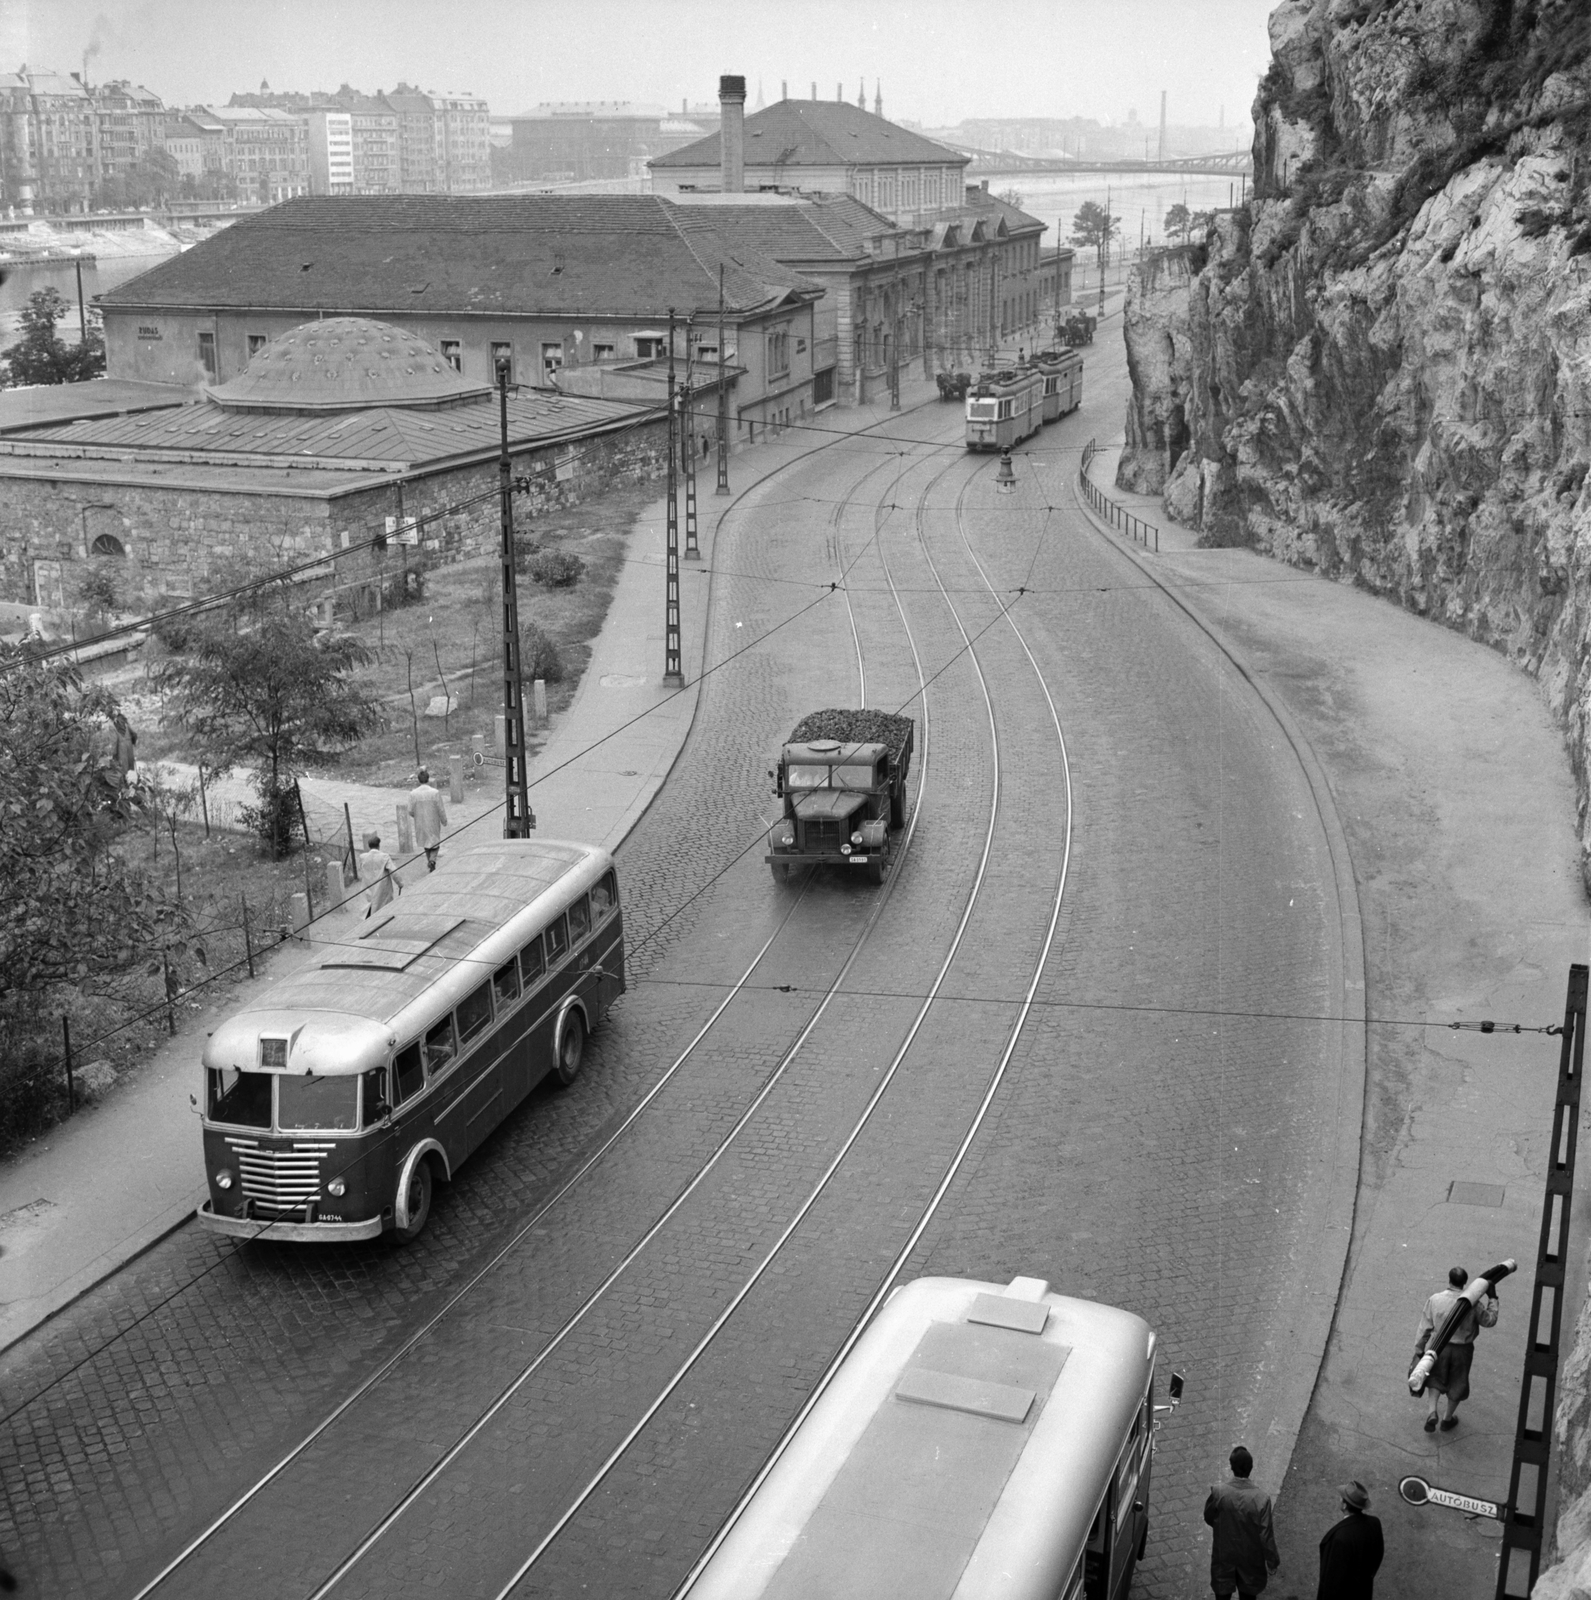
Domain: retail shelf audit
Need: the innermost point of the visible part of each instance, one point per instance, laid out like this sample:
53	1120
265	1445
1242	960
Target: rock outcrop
1381	367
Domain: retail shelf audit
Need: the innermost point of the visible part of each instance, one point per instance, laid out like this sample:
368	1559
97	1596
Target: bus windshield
241	1098
314	1102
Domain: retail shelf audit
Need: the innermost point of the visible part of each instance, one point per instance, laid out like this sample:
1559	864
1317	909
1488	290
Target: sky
939	60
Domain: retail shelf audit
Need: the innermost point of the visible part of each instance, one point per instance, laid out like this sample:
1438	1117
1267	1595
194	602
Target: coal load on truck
842	778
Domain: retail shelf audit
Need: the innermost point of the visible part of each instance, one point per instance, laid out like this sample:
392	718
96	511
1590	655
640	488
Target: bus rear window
315	1102
579	920
241	1098
474	1012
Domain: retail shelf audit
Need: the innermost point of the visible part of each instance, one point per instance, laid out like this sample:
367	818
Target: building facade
575	141
266	151
331	152
548	282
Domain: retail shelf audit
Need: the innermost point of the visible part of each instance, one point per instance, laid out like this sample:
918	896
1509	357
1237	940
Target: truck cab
840	801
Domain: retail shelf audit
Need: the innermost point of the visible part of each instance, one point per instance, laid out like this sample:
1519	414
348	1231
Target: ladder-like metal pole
673	671
723	396
687	439
1524	1515
518	818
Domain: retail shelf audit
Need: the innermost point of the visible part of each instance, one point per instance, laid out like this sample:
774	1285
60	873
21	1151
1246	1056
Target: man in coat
429	817
376	869
1351	1550
1243	1549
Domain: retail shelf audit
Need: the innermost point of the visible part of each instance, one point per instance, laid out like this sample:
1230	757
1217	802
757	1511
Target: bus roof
961	1450
439	939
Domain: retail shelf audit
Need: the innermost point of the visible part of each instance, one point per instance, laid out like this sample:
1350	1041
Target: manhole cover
620	680
1462	1193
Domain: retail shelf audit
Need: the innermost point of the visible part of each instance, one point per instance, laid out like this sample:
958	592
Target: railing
1118	516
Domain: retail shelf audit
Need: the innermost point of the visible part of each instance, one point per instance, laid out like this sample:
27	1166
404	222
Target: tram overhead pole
723	396
673	671
518	818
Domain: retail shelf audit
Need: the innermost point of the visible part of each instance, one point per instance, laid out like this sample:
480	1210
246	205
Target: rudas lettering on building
147	330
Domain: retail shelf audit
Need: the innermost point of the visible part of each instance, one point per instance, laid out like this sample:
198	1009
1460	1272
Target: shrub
538	655
557	569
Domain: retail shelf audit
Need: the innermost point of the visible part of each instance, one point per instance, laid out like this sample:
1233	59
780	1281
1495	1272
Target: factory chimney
732	134
814	88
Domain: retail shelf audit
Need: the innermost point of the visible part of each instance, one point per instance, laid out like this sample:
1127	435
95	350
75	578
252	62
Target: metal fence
1136	529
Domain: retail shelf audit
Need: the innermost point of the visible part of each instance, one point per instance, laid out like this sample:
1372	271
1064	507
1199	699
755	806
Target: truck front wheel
875	870
781	872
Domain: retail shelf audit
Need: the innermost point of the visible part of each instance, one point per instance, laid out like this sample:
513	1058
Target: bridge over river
1004	163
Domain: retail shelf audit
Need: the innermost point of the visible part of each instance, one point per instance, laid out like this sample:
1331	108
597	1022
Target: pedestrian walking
1243	1544
429	817
1351	1550
376	869
1449	1377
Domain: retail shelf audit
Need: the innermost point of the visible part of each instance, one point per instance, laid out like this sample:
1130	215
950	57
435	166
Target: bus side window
604	897
439	1047
579	920
376	1103
474	1013
557	940
531	965
410	1074
506	982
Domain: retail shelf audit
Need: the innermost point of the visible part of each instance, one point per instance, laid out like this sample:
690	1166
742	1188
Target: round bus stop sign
1420	1493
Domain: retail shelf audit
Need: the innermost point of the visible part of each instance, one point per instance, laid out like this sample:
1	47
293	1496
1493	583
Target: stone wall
178	540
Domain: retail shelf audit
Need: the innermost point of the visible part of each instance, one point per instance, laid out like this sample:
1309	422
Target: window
502	351
604	897
207	353
552	360
602	352
106	544
579	920
778	352
648	346
531	964
452	354
376	1104
823	386
241	1098
439	1047
409	1072
474	1013
505	982
257	342
313	1101
557	940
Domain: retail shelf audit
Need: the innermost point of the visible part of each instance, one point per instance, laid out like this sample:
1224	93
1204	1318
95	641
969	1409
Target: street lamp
518	818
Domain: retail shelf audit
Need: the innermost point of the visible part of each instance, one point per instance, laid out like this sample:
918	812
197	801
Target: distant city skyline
940	61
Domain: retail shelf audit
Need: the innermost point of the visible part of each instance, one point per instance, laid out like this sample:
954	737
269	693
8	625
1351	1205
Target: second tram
338	1097
1003	408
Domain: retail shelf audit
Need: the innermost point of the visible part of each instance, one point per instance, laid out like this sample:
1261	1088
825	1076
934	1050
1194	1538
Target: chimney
839	92
784	88
732	134
814	88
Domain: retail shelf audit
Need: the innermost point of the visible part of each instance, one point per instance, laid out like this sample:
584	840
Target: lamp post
518	818
673	670
723	396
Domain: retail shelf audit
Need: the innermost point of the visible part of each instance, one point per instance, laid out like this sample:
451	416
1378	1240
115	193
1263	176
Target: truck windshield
852	777
804	775
315	1102
241	1098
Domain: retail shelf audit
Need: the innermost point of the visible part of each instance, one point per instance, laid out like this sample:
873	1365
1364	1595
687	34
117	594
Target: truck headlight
336	1187
223	1180
782	836
845	849
856	838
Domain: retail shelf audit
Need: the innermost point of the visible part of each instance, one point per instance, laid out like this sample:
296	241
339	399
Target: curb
1326	1262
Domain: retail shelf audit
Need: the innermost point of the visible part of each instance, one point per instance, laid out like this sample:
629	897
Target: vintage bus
341	1095
978	1440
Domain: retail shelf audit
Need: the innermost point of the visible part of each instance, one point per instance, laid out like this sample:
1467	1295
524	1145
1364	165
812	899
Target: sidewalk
119	1175
1453	789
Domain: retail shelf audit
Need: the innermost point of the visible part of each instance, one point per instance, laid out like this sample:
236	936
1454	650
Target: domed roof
344	364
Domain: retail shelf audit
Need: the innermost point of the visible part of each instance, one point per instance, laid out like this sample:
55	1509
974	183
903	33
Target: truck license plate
858	861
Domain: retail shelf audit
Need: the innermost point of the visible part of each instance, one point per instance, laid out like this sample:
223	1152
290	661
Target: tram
1062	371
335	1100
1004	408
980	1439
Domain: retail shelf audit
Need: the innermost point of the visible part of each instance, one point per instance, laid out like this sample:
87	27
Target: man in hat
429	817
1450	1375
1351	1550
375	868
1243	1546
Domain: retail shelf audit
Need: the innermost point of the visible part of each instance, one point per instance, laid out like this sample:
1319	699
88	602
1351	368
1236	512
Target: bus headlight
336	1187
223	1180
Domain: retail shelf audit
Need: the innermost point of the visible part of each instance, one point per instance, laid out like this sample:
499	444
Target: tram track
589	1164
861	1123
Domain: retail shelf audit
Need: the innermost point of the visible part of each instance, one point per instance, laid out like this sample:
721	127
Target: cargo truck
842	777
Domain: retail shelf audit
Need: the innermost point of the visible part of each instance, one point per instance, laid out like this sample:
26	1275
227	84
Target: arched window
106	544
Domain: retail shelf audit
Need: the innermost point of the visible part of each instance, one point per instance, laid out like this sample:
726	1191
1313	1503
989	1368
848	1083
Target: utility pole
673	672
518	818
723	396
687	439
894	348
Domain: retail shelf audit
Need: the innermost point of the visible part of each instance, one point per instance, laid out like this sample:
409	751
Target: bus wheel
1143	1540
571	1049
419	1198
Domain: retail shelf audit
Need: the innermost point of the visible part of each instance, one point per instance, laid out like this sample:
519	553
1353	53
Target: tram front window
240	1098
316	1102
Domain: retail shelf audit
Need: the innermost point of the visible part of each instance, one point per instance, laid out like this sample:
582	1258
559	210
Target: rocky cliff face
1382	368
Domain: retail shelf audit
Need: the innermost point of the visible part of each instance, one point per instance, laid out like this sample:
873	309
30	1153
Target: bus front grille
279	1180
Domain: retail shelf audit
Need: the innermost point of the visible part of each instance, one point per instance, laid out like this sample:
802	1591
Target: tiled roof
386	255
817	133
796	230
54	403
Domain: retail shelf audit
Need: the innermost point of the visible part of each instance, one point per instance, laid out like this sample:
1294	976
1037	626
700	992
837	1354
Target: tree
1177	221
69	908
42	356
1012	197
1094	227
255	687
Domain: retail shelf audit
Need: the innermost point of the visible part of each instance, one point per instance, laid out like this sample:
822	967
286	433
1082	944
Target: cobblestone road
1147	1155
